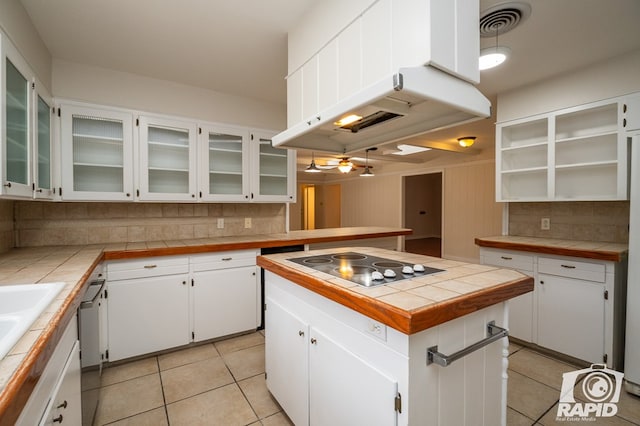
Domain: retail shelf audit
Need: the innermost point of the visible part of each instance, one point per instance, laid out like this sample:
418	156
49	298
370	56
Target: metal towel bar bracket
493	333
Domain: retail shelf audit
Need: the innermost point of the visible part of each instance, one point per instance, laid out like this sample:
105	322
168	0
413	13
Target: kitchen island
341	353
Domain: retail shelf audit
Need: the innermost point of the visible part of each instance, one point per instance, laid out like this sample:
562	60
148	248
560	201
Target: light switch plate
220	223
247	222
545	224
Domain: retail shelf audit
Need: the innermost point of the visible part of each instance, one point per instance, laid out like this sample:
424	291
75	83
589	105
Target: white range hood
410	102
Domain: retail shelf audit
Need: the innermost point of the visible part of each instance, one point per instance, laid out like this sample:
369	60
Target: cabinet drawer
223	260
589	271
148	267
507	259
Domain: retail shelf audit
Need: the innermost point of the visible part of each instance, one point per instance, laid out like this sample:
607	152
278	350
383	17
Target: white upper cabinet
631	110
43	187
27	129
167	150
273	170
223	162
97	154
385	36
577	153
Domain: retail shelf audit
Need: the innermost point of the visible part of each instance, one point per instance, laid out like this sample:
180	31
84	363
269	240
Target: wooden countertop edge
407	322
243	245
20	386
560	251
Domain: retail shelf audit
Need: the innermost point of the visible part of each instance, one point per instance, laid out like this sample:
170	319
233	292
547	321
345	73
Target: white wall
16	24
115	88
611	78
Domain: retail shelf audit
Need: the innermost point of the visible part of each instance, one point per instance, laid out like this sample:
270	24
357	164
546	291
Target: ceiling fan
344	164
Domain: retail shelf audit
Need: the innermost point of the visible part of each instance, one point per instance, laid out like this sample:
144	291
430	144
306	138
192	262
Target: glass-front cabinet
26	123
97	154
272	170
223	163
43	148
167	160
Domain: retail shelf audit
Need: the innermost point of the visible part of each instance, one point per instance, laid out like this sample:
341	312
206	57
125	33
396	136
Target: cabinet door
286	361
43	147
223	164
65	404
147	315
167	160
345	390
17	134
631	110
97	154
272	170
571	316
224	302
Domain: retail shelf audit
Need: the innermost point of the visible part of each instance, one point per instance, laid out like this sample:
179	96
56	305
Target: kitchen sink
20	306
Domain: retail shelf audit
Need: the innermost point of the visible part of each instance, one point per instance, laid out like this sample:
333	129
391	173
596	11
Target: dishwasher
90	324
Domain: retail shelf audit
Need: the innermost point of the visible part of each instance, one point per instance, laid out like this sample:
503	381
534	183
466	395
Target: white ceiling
239	46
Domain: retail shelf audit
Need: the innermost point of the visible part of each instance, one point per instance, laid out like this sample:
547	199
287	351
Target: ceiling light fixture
345	166
492	57
466	141
312	168
367	171
348	120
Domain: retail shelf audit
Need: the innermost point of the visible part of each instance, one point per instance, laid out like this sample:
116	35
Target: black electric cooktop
363	269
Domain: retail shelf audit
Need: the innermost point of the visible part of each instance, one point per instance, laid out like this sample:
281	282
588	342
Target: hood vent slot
370	120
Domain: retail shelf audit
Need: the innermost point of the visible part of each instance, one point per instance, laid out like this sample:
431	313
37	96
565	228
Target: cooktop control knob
377	276
407	270
389	273
418	268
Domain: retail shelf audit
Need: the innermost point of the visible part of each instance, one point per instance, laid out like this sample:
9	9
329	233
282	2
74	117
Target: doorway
320	206
423	213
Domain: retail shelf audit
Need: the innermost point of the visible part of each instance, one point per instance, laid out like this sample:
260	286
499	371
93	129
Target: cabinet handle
150	266
301	333
63	405
39	190
58	419
624	122
8	184
506	258
226	259
313	341
568	266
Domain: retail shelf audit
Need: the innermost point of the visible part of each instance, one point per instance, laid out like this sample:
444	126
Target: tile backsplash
7	236
47	223
606	221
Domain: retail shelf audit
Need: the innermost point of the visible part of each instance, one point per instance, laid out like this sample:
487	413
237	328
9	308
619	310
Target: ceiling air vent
502	18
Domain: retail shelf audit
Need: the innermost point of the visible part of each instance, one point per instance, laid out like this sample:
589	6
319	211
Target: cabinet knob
63	405
541	282
58	419
193	195
301	333
313	341
184	283
8	184
128	194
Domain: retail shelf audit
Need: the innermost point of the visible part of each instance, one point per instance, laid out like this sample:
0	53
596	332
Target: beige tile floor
223	383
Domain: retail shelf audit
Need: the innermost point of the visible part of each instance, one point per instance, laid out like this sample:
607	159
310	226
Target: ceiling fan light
345	166
466	141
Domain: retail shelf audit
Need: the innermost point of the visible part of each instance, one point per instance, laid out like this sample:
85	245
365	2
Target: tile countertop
21	368
585	249
411	305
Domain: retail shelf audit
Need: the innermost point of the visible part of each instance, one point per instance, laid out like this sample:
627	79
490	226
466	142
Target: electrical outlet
377	329
247	222
545	224
220	223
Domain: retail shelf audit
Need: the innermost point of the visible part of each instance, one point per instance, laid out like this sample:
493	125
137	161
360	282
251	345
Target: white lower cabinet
224	294
160	303
329	365
56	398
576	308
147	315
